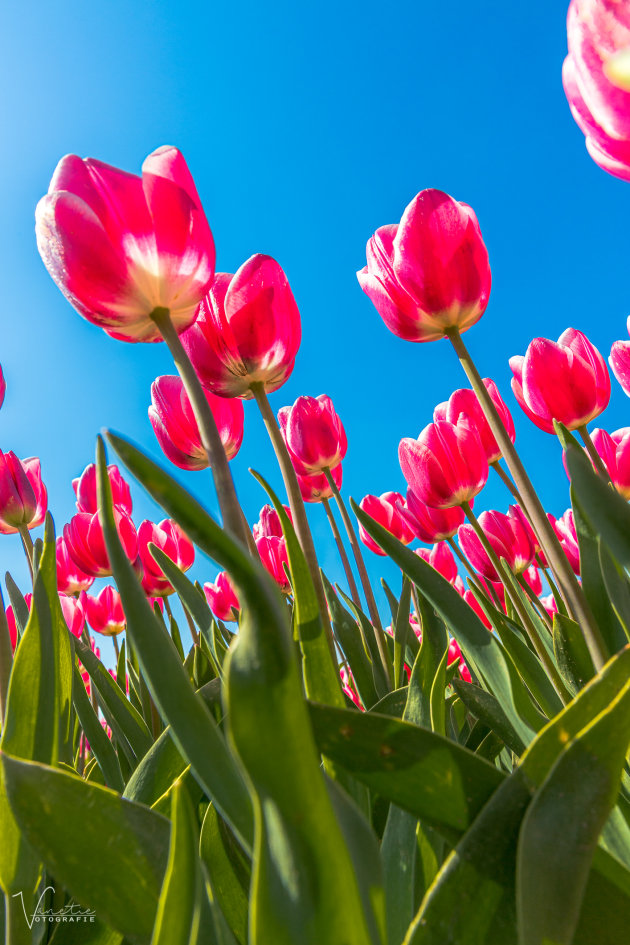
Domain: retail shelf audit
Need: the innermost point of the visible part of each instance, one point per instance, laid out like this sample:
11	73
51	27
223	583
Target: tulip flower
619	361
385	509
73	613
446	466
316	488
429	273
474	604
222	598
70	578
176	429
18	501
564	528
247	331
85	490
3	387
464	401
121	246
614	451
105	612
508	538
84	539
273	554
595	81
268	523
13	634
33	470
565	380
532	577
455	656
430	525
314	434
441	558
349	686
170	538
549	603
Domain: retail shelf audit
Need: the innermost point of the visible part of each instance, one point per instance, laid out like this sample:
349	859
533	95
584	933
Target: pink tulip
120	246
455	656
446	466
12	626
385	509
614	451
598	34
33	471
465	401
567	536
273	554
314	434
473	603
268	523
70	578
619	361
549	603
3	387
430	272
176	429
349	686
247	331
508	538
430	525
565	380
532	577
84	539
517	512
18	501
170	538
73	613
85	490
441	558
105	612
316	488
222	598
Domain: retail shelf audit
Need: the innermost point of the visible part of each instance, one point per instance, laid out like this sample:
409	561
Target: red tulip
85	490
33	471
596	83
532	576
119	246
170	538
73	613
430	525
18	501
314	434
567	536
441	558
385	509
222	598
565	380
247	330
465	401
430	272
316	488
614	451
84	539
446	466
174	423
268	523
105	612
70	578
619	361
273	554
508	538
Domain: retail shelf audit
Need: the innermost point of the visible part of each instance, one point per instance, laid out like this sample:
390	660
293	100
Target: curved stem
354	593
571	590
116	648
27	544
296	503
542	613
593	454
231	512
507	482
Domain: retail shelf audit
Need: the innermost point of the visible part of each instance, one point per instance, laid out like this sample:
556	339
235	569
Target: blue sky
306	127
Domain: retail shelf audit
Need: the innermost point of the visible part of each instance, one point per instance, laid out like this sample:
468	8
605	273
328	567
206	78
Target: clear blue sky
306	127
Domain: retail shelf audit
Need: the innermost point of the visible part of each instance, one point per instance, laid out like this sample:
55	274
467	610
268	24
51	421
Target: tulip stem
354	593
296	503
507	482
231	512
116	650
27	543
6	660
571	590
544	616
593	454
471	571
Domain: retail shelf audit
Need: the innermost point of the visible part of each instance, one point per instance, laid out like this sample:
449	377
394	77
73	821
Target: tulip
446	466
567	536
222	598
517	512
385	510
84	539
18	501
474	604
170	538
121	246
349	686
508	538
176	429
33	471
429	273
314	434
619	361
614	451
316	488
3	387
565	380
85	490
595	82
247	331
73	613
441	558
273	554
532	577
105	612
70	578
455	656
13	634
430	525
549	603
269	522
464	401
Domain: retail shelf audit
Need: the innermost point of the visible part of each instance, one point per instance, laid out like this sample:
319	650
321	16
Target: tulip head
508	538
33	470
70	578
85	490
314	434
73	613
273	554
566	534
104	612
430	525
465	401
85	542
222	598
18	501
316	488
268	523
441	558
385	509
169	538
619	361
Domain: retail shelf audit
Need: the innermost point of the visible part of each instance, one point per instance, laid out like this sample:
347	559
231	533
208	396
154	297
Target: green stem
6	661
27	544
571	590
542	613
116	650
296	503
17	930
354	593
507	482
593	454
231	511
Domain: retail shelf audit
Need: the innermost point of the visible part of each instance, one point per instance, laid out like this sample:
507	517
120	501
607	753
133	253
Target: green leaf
100	744
20	607
349	636
401	632
571	652
617	587
487	709
229	871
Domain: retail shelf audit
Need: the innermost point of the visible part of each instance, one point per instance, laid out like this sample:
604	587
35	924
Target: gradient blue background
306	127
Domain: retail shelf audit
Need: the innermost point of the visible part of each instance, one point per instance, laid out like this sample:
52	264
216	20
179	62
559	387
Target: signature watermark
70	912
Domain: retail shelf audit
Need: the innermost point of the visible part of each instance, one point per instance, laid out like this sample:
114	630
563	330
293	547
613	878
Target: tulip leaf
97	738
195	604
369	640
348	634
572	655
18	603
229	871
487	709
617	587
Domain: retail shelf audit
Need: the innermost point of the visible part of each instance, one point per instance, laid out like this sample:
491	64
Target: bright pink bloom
316	488
174	423
222	598
84	539
549	603
247	331
349	686
455	656
119	246
85	490
273	554
472	602
614	450
314	434
619	361
465	401
441	558
18	501
385	509
446	466
598	33
532	576
509	540
430	272
73	613
170	538
3	387
268	523
33	471
11	619
430	525
105	612
517	512
565	380
567	536
70	578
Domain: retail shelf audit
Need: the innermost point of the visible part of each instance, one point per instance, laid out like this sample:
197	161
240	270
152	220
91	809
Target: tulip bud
84	539
33	471
18	502
273	554
508	538
222	598
316	488
85	490
170	538
105	612
441	558
465	401
314	434
385	510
